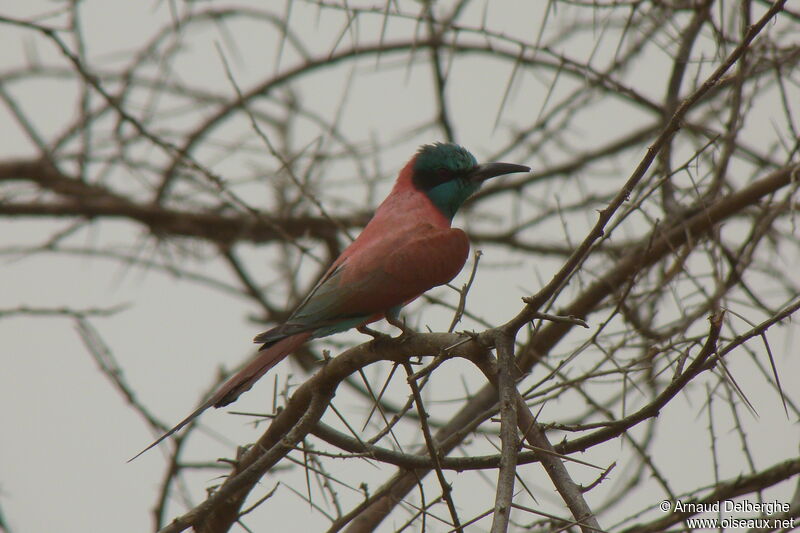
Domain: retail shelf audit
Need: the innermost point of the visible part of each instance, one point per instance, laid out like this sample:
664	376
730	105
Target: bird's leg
393	318
371	332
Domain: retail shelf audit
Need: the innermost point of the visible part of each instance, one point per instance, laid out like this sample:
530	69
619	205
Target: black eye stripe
428	179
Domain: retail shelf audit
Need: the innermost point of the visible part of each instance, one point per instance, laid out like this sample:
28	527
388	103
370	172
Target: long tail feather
240	382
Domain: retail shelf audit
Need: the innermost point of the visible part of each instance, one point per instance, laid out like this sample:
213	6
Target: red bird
407	248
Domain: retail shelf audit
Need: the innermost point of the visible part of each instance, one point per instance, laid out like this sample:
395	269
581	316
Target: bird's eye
444	173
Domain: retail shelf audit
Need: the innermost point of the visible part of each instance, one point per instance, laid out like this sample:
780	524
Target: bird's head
448	174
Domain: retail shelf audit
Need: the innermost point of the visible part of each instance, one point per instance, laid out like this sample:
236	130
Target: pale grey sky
68	433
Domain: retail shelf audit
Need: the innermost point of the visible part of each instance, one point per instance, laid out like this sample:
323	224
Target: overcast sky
67	433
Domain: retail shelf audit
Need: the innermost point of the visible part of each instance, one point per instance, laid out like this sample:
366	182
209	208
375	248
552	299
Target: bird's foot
377	335
400	324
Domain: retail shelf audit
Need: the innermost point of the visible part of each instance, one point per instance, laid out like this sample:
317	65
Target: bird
407	248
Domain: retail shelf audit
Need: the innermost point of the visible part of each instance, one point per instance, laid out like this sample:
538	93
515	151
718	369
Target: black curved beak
490	170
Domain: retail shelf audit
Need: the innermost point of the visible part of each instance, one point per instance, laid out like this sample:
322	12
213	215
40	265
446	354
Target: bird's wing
434	257
376	278
316	310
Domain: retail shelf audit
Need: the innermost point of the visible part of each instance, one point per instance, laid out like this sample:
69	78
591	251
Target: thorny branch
703	225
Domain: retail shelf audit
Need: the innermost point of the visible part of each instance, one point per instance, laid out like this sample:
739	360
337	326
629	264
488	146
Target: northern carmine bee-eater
407	248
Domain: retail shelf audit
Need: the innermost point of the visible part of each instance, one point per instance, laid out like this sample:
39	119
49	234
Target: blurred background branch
202	161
